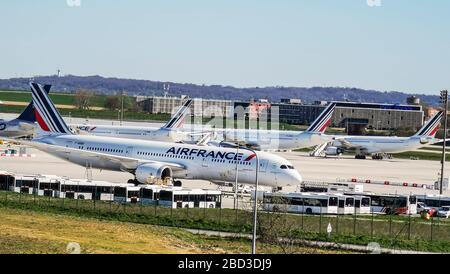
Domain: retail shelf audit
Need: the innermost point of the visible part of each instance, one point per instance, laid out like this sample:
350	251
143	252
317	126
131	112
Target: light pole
444	98
121	109
236	183
255	204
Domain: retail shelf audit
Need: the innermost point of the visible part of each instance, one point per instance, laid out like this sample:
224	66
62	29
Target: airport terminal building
347	114
293	111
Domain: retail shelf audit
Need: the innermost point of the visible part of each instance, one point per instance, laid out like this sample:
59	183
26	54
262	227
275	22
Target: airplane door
263	166
69	144
129	151
205	162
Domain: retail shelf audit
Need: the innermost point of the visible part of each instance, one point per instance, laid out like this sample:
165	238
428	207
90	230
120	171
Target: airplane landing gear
377	157
134	182
360	157
177	183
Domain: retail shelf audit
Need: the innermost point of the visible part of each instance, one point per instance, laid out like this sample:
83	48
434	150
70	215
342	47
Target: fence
403	232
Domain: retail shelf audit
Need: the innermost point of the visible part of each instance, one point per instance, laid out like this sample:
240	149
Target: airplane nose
297	178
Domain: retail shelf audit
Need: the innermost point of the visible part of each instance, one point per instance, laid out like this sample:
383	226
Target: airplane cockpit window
291	167
283	167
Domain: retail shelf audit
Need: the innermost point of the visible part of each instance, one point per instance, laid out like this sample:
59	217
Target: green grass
57	98
421	156
93	114
391	231
435	148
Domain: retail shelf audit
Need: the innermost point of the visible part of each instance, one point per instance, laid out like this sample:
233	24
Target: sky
386	45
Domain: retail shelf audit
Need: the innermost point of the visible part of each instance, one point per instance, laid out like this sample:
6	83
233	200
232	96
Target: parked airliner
257	139
278	139
22	126
170	132
366	145
150	161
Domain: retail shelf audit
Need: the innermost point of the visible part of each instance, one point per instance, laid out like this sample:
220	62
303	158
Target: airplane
376	145
278	139
151	161
170	132
22	126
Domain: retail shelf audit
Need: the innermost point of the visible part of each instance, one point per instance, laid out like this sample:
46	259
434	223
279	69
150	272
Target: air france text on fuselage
232	156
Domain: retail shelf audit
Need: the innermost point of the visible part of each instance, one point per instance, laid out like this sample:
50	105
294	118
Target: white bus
435	201
362	204
86	190
190	198
392	204
6	181
127	194
25	184
309	203
346	204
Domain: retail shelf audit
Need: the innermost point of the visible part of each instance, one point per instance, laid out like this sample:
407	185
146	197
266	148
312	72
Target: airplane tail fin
45	111
323	121
177	119
28	114
432	126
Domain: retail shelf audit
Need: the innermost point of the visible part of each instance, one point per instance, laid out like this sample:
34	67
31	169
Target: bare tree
277	227
83	99
112	102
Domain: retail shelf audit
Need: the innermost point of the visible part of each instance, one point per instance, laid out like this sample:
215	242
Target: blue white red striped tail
323	121
28	114
46	113
432	126
177	119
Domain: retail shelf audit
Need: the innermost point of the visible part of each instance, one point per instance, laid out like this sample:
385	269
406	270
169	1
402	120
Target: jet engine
152	173
2	125
334	151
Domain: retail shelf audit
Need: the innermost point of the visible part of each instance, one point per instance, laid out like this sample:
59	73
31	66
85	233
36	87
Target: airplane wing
26	126
345	143
126	162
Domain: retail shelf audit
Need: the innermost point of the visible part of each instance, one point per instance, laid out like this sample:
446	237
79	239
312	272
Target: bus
25	184
6	181
86	190
392	204
435	201
346	204
362	204
302	202
127	193
48	186
190	198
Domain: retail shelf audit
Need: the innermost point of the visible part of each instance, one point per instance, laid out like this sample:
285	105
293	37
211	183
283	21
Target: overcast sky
401	45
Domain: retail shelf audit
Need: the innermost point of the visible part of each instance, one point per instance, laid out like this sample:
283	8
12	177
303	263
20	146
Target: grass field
434	148
429	156
390	231
25	232
58	98
93	114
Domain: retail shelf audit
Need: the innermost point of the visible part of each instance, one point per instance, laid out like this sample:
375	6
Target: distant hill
102	85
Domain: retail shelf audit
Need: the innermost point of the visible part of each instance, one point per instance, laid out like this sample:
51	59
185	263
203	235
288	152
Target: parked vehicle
444	212
421	207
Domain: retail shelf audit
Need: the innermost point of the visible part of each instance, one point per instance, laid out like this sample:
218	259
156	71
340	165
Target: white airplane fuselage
200	162
16	128
384	144
275	139
129	132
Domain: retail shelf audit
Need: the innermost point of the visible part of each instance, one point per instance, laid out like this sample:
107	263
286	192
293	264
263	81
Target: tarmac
312	169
